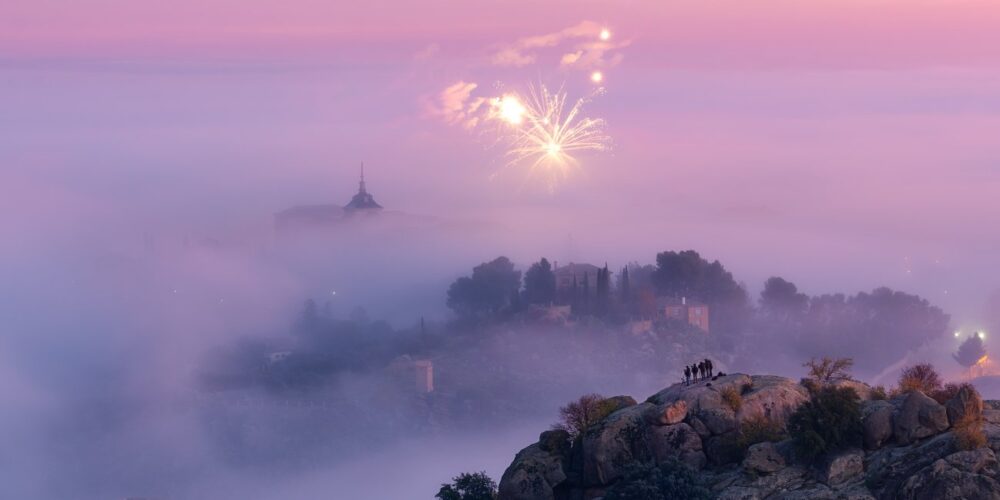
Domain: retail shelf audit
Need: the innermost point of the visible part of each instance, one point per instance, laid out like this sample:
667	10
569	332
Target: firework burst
545	134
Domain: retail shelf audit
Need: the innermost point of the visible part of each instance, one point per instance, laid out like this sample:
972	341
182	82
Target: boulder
917	416
965	403
962	475
763	458
842	467
669	413
886	469
679	442
863	390
771	397
533	475
722	449
876	419
618	440
991	416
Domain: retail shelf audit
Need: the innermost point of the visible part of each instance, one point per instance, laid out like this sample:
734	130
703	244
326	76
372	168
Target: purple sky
841	144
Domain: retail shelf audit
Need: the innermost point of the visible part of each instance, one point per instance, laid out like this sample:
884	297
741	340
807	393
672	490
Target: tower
363	200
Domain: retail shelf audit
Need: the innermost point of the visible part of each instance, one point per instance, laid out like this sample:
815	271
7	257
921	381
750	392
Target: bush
669	481
949	391
969	432
825	369
878	393
732	397
829	421
759	429
465	486
921	377
577	416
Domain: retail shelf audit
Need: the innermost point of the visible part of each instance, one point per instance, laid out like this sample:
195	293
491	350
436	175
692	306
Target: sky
842	145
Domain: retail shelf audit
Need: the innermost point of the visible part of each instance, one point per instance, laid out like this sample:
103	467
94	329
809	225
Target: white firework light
544	134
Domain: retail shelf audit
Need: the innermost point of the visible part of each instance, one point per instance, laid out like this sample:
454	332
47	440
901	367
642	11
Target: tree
540	283
603	295
577	416
465	486
687	274
970	351
309	321
826	370
488	290
781	300
920	377
829	421
624	287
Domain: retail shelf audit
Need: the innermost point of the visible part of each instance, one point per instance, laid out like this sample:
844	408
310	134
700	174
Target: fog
145	282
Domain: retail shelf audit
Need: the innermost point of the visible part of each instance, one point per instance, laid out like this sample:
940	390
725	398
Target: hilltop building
572	273
324	215
692	313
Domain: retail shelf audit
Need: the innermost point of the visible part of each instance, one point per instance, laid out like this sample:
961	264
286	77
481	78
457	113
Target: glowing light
551	135
509	109
982	335
957	334
596	77
983	359
605	34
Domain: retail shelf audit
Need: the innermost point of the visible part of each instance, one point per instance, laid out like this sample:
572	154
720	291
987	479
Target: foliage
578	416
490	288
826	369
540	283
687	274
668	481
970	351
466	486
829	421
878	393
759	429
969	432
782	301
731	396
920	377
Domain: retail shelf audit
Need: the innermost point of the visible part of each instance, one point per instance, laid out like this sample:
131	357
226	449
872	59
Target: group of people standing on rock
699	370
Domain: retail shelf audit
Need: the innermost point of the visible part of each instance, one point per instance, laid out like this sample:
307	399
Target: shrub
759	429
578	416
829	421
465	486
878	393
949	391
920	377
732	397
669	481
969	432
826	369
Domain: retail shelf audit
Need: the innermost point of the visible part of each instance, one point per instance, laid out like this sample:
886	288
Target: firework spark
545	134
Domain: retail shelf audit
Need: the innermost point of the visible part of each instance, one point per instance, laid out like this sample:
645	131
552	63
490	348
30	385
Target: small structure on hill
312	216
690	312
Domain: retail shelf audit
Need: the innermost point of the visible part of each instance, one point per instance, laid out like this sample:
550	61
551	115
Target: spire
361	187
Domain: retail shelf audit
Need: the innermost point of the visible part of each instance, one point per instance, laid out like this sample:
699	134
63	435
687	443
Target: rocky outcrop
917	416
876	419
966	403
908	451
538	469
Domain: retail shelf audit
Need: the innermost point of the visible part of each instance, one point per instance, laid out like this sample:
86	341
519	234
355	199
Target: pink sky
852	133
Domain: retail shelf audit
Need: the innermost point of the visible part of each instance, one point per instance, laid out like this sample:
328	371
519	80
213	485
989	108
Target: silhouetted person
701	368
708	367
694	371
687	375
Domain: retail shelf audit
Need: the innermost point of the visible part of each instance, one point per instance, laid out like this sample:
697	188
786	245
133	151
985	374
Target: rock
678	442
763	458
917	417
842	467
670	413
965	402
618	402
533	475
962	475
771	397
992	416
722	449
993	404
555	441
887	468
876	419
618	440
699	427
718	420
863	390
